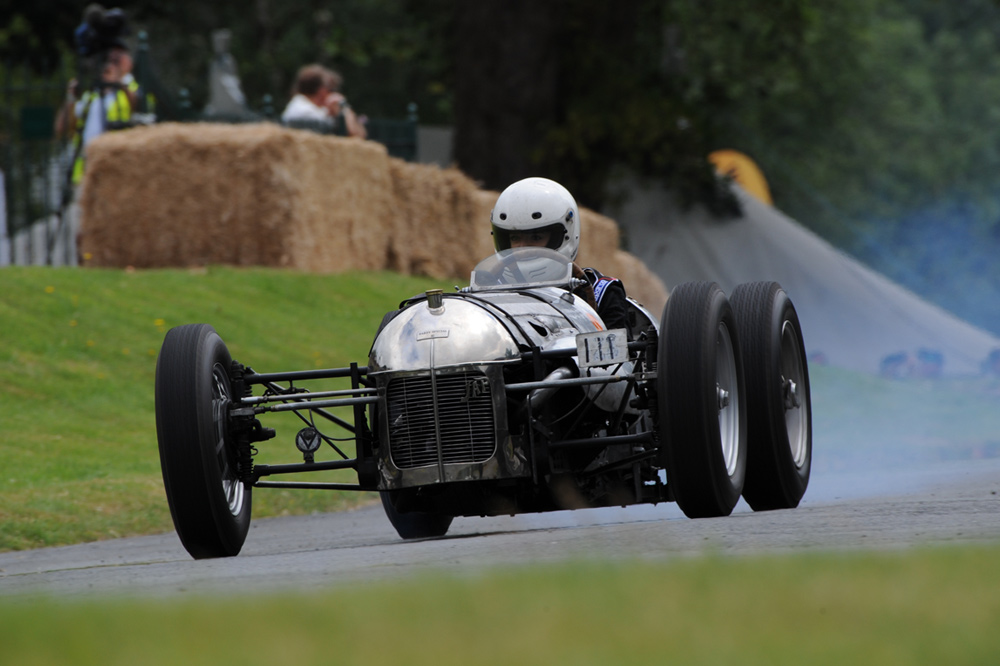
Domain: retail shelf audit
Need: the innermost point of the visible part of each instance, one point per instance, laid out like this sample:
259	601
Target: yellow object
744	171
119	112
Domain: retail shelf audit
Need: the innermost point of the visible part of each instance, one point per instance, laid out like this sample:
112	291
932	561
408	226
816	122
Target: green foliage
875	124
924	606
36	34
938	230
78	356
674	81
387	50
625	103
771	79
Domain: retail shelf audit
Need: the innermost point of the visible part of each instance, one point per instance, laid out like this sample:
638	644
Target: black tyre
779	408
412	525
701	401
415	524
208	502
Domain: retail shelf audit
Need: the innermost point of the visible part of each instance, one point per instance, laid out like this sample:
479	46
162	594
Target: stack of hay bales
261	195
440	225
245	195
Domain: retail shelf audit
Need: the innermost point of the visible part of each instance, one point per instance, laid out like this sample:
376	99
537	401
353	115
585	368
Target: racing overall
609	294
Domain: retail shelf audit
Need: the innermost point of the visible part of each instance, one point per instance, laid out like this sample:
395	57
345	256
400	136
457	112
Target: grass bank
78	452
78	348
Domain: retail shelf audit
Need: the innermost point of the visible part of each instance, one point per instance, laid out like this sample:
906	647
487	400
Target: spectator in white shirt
317	98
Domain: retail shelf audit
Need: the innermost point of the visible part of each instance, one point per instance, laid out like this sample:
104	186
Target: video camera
102	30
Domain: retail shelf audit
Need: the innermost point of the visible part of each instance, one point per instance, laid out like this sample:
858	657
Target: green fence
34	164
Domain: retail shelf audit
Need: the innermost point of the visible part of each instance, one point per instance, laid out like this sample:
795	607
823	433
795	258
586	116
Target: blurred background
873	121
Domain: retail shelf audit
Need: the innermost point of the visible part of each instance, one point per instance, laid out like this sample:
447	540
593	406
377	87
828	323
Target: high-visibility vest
115	115
145	102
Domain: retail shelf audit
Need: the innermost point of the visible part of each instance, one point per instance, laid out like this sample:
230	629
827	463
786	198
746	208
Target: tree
37	34
506	85
578	89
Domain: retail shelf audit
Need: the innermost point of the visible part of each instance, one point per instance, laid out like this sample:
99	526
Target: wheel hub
232	487
790	391
723	396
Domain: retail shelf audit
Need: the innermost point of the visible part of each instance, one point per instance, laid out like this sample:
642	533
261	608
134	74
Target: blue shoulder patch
601	286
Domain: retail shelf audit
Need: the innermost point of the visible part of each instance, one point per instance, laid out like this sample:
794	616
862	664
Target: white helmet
537	204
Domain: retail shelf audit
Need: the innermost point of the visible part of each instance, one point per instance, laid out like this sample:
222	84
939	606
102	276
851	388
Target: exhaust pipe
540	396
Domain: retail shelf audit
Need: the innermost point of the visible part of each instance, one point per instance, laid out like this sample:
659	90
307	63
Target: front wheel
414	524
779	422
701	401
408	524
209	503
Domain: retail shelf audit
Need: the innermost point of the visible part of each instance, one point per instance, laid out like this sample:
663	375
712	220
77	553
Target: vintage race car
507	396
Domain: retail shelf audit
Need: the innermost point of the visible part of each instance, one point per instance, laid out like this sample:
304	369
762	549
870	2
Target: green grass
79	462
78	452
930	606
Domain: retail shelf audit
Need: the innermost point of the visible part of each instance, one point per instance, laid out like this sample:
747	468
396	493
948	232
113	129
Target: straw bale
438	228
484	202
179	195
342	204
262	195
161	197
599	238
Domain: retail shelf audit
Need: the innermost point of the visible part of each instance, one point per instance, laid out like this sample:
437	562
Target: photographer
108	103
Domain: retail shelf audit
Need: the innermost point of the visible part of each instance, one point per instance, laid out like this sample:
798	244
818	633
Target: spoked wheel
414	525
209	503
701	401
779	407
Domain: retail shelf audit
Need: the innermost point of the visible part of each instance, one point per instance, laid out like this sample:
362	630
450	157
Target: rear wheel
779	423
209	503
415	524
701	401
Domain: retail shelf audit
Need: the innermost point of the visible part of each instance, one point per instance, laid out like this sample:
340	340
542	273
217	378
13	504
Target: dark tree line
875	121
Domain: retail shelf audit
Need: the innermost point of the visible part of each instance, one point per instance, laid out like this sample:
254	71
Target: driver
539	212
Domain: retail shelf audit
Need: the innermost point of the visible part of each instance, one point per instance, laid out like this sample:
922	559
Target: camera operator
107	104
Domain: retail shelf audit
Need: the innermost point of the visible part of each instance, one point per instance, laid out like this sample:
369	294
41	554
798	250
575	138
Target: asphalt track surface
944	503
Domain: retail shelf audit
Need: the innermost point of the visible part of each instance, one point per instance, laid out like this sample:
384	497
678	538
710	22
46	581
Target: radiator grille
465	414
